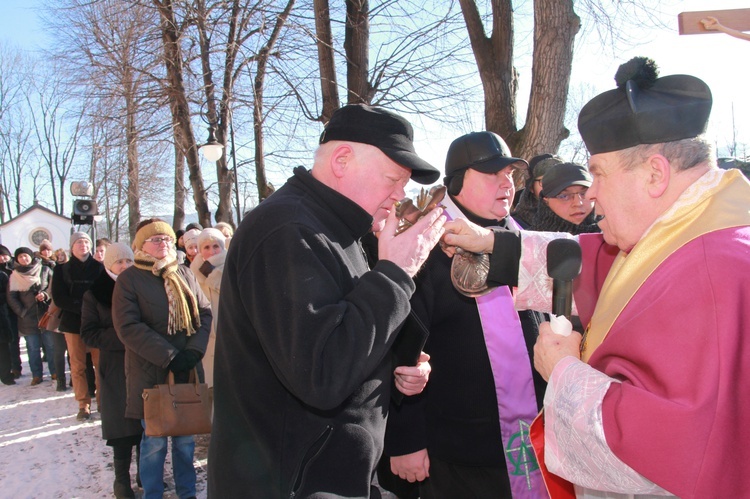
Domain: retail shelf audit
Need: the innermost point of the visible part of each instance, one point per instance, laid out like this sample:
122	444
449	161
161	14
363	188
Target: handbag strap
192	379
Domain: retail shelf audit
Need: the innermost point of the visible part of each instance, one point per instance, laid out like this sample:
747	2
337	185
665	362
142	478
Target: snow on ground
46	452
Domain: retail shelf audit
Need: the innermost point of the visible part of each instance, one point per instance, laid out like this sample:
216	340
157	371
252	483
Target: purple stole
514	385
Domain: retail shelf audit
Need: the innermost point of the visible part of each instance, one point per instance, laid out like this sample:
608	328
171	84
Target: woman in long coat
97	330
208	267
28	297
163	319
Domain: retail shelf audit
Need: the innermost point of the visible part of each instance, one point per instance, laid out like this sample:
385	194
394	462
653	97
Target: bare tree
18	163
264	189
56	119
326	59
416	65
11	64
171	33
238	31
555	28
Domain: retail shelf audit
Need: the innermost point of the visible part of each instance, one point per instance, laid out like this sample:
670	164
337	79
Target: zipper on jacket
312	452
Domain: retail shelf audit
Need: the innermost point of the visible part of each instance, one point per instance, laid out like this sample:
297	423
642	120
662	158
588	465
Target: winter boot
121	487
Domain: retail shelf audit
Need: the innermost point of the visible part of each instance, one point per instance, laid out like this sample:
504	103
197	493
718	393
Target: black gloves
185	360
206	268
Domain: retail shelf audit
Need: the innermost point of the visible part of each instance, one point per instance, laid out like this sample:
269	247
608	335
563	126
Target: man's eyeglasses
570	196
159	240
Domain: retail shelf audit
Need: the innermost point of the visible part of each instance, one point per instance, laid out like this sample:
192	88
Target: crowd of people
346	360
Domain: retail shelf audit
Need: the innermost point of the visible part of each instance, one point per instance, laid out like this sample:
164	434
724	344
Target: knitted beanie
45	244
115	253
23	249
152	229
79	235
211	234
190	237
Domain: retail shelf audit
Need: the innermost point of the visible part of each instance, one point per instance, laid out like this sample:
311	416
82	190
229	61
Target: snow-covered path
46	453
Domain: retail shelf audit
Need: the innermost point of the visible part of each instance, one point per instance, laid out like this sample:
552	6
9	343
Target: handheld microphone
563	265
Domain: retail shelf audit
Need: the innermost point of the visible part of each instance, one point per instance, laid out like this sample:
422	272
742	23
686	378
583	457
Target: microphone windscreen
563	259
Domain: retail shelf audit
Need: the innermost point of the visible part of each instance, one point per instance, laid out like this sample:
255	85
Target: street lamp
212	150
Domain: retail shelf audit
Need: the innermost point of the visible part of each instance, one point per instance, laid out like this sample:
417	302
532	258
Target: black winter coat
97	331
71	280
456	417
5	331
140	313
302	375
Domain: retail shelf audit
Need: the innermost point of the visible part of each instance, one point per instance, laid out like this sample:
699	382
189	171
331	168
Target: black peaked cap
387	131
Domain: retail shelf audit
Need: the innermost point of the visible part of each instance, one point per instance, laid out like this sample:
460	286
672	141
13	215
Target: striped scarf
183	306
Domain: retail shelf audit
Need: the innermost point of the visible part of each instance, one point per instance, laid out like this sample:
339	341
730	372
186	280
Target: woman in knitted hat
163	319
190	239
208	267
46	254
28	297
97	331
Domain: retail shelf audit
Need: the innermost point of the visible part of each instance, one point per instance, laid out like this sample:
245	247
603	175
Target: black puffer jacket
97	331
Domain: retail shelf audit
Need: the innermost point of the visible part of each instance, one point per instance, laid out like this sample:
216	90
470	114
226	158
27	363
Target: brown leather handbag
50	321
173	410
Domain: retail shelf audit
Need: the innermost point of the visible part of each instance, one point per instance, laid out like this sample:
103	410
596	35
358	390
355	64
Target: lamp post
212	150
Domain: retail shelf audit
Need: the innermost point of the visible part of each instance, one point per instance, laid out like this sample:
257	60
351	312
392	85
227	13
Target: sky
718	59
46	452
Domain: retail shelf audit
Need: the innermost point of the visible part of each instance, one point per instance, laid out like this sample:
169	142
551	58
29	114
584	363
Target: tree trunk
180	107
264	189
555	28
131	137
326	61
356	46
219	118
178	218
494	57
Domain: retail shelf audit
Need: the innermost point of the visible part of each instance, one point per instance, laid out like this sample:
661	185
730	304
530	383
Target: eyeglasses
159	240
570	196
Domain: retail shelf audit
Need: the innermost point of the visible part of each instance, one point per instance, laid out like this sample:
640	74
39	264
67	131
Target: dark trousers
450	481
5	374
59	355
15	345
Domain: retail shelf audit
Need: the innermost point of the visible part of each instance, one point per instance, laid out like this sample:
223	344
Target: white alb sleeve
534	291
575	445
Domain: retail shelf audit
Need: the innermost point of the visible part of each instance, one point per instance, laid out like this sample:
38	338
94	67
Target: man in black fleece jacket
466	434
302	374
69	282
